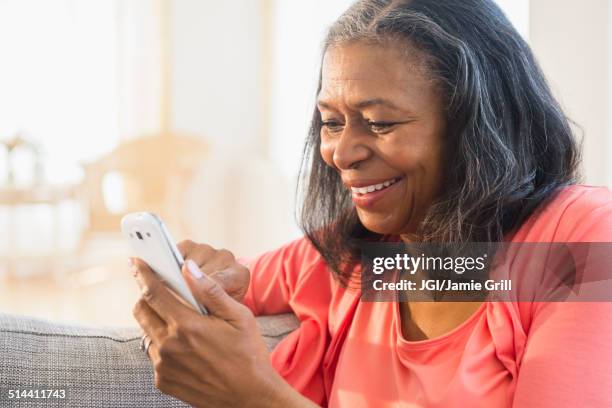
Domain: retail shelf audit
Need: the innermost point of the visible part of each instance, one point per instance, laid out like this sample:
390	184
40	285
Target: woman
433	124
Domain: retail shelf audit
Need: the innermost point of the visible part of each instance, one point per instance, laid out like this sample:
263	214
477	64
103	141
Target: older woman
433	124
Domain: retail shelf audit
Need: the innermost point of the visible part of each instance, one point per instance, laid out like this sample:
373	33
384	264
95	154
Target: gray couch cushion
97	367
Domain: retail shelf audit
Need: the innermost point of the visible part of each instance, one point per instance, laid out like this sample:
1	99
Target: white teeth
374	187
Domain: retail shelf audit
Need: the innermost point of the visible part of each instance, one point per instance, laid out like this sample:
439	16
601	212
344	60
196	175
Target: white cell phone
151	242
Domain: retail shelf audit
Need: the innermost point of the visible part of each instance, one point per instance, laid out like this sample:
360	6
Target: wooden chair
154	171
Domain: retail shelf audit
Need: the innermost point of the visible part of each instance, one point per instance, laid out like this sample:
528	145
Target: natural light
58	82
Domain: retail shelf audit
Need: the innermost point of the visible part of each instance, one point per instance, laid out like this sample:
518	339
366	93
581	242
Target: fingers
151	349
211	295
209	259
153	352
185	247
200	253
218	264
221	260
150	322
157	295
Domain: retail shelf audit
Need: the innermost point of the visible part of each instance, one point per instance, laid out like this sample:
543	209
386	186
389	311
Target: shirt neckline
450	335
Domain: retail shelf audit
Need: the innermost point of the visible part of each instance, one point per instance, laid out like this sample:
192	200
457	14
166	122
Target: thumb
209	293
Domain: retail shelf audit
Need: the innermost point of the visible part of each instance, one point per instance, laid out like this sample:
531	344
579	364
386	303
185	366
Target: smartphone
150	240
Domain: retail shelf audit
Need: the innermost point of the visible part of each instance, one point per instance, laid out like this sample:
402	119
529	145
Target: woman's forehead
358	60
359	72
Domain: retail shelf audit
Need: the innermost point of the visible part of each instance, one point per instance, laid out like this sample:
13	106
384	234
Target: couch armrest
98	367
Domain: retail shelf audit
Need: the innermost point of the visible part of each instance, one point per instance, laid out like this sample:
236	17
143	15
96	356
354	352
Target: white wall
572	43
299	29
517	12
216	77
215	50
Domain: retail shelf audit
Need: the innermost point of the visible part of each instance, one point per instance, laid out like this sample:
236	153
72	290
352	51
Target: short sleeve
568	354
295	278
288	279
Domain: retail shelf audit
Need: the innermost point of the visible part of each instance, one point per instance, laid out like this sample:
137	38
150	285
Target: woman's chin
393	220
383	227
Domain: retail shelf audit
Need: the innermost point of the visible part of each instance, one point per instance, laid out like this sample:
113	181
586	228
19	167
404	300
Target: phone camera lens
139	235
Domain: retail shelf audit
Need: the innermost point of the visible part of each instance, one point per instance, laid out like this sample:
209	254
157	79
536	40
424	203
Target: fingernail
133	267
194	269
139	281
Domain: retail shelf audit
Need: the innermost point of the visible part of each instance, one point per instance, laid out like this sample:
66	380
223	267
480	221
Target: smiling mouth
359	191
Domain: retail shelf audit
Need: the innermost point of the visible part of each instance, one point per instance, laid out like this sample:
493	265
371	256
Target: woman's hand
220	265
215	360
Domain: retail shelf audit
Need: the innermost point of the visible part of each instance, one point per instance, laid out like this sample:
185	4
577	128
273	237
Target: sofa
96	367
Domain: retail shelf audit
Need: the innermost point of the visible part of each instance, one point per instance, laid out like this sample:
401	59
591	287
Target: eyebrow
366	103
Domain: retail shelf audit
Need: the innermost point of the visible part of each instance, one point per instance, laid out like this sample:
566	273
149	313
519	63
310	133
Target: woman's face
383	131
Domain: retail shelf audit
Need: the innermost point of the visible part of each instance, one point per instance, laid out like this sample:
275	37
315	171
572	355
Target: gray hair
512	144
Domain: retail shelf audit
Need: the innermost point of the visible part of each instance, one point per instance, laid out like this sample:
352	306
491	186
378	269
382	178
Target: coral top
348	353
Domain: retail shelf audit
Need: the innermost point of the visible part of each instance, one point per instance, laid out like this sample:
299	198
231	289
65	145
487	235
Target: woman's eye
380	127
332	126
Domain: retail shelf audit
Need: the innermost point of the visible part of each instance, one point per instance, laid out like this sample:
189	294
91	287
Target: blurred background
196	110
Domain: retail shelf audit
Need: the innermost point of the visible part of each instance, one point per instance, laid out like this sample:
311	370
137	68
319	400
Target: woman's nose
351	149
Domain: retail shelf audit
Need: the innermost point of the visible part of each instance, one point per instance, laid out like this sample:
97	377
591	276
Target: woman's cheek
327	151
